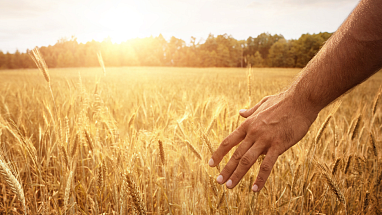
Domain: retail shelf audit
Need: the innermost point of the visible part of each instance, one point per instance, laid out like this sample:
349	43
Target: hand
272	126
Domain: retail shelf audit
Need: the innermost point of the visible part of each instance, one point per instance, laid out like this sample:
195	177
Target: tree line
265	50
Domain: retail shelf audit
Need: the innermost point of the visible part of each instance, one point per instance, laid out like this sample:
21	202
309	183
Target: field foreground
137	141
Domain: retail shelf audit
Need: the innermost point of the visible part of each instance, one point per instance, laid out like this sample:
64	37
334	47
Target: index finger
230	141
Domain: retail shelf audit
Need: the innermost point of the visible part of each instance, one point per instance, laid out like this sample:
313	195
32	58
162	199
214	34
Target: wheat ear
336	166
221	200
332	184
210	125
323	126
75	146
65	155
348	163
373	144
40	63
131	121
377	97
208	143
355	128
89	140
193	149
13	183
134	193
213	186
161	152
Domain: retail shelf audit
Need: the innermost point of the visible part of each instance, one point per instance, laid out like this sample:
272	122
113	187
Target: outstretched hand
272	126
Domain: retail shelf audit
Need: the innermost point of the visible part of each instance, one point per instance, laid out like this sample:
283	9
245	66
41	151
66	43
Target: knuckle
240	131
242	127
225	142
236	156
245	161
252	130
265	167
260	179
265	99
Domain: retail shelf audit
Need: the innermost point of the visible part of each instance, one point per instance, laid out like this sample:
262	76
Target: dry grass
99	153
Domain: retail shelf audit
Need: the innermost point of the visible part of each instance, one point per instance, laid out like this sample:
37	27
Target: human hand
272	126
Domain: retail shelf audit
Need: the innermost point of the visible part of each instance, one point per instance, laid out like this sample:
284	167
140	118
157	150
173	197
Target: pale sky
25	24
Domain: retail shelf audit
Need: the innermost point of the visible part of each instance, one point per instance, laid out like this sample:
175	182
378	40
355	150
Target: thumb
248	112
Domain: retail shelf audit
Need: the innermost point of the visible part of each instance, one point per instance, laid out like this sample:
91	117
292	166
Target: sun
122	22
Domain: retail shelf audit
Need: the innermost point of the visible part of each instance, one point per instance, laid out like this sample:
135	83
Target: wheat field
137	140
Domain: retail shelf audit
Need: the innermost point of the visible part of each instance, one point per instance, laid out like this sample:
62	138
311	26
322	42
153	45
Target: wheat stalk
296	176
100	60
67	189
249	86
41	65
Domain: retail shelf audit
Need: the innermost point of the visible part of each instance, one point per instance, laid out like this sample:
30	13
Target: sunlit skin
278	122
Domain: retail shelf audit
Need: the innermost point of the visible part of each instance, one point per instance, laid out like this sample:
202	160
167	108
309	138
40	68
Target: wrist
303	102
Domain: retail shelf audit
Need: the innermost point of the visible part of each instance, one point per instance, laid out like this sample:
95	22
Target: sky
25	24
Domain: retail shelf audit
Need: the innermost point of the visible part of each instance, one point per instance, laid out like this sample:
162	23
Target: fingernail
219	179
254	188
242	110
229	183
211	162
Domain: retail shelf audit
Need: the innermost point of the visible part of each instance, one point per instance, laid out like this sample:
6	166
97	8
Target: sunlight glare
123	22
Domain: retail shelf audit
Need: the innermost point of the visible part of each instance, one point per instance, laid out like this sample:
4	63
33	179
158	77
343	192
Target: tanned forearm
279	121
349	57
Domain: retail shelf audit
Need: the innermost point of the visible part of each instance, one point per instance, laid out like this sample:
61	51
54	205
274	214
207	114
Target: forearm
348	58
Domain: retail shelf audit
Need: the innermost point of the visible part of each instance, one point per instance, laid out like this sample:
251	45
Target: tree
65	59
221	51
3	61
306	47
280	54
262	43
255	60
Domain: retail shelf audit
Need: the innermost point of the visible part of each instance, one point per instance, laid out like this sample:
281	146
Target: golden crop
138	139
